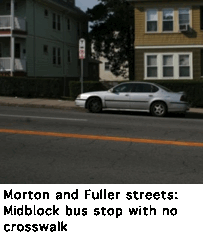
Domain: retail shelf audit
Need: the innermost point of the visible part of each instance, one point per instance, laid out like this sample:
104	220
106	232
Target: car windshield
164	88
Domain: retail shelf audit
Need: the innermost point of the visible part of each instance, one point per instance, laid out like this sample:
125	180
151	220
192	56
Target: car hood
98	93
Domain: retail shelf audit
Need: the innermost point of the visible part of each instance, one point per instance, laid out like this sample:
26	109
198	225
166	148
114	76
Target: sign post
82	47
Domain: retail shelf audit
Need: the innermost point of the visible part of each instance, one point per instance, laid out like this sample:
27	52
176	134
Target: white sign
82	47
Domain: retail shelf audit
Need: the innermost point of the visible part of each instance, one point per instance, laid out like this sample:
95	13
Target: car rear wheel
159	109
94	105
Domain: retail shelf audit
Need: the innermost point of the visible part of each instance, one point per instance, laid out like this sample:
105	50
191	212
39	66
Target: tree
112	33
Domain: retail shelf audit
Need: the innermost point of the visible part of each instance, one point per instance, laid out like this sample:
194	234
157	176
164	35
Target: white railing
20	65
19	23
5	22
5	64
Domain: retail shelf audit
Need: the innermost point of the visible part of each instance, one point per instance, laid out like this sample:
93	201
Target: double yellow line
97	137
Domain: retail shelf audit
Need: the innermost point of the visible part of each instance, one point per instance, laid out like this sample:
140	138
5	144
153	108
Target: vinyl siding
176	38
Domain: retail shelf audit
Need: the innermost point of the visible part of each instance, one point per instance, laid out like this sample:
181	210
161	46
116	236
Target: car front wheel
94	105
159	109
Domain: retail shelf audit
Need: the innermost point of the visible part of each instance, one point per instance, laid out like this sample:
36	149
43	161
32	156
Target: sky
84	4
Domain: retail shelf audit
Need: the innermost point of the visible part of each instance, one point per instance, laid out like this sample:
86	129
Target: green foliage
89	86
30	87
113	34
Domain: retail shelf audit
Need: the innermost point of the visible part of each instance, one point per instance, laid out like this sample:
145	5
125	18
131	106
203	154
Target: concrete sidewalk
51	103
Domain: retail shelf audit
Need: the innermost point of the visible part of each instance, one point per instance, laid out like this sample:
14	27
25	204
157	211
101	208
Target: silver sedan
135	96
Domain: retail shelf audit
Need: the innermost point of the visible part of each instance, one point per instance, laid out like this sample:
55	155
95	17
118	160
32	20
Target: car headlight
79	96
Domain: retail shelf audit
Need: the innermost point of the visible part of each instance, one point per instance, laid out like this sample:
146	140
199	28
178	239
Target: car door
119	98
141	96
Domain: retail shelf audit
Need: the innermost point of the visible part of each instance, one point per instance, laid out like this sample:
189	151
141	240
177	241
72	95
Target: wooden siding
195	37
139	60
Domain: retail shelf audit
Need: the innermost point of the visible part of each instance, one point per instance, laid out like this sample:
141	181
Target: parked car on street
135	96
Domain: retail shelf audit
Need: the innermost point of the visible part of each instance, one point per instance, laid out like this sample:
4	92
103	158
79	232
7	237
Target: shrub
30	87
89	86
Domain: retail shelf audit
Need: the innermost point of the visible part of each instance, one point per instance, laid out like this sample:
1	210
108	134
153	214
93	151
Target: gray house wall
40	33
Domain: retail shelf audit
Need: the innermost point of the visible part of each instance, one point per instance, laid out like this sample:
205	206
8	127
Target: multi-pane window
184	66
68	24
59	22
106	66
168	19
69	56
54	21
168	66
152	18
54	56
59	56
184	17
152	66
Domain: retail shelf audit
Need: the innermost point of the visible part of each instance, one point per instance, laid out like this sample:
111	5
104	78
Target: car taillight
183	98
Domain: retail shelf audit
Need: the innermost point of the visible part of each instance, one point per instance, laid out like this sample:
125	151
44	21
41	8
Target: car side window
123	88
144	88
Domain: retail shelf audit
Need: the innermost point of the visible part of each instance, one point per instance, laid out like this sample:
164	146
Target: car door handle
127	95
150	95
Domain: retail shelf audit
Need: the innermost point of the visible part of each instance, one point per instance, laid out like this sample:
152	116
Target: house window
69	56
59	22
184	17
106	66
54	21
152	20
68	24
45	49
46	13
168	18
152	66
78	28
168	66
59	56
54	56
184	66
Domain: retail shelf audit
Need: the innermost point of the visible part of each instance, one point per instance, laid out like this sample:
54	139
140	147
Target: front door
119	98
17	51
141	96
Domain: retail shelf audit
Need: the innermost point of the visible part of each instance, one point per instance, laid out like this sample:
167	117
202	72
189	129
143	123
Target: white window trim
168	31
146	20
175	64
190	16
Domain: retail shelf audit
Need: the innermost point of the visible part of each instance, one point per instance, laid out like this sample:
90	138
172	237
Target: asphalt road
72	147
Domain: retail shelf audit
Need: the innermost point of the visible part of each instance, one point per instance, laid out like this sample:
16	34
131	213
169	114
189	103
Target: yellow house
168	39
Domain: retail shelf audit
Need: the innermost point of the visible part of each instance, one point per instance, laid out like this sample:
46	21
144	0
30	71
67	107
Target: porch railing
19	64
5	64
6	23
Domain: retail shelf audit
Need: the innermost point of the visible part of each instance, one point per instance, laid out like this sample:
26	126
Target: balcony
19	65
6	23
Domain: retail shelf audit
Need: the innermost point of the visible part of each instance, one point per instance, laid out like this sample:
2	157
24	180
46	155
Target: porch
6	23
6	64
